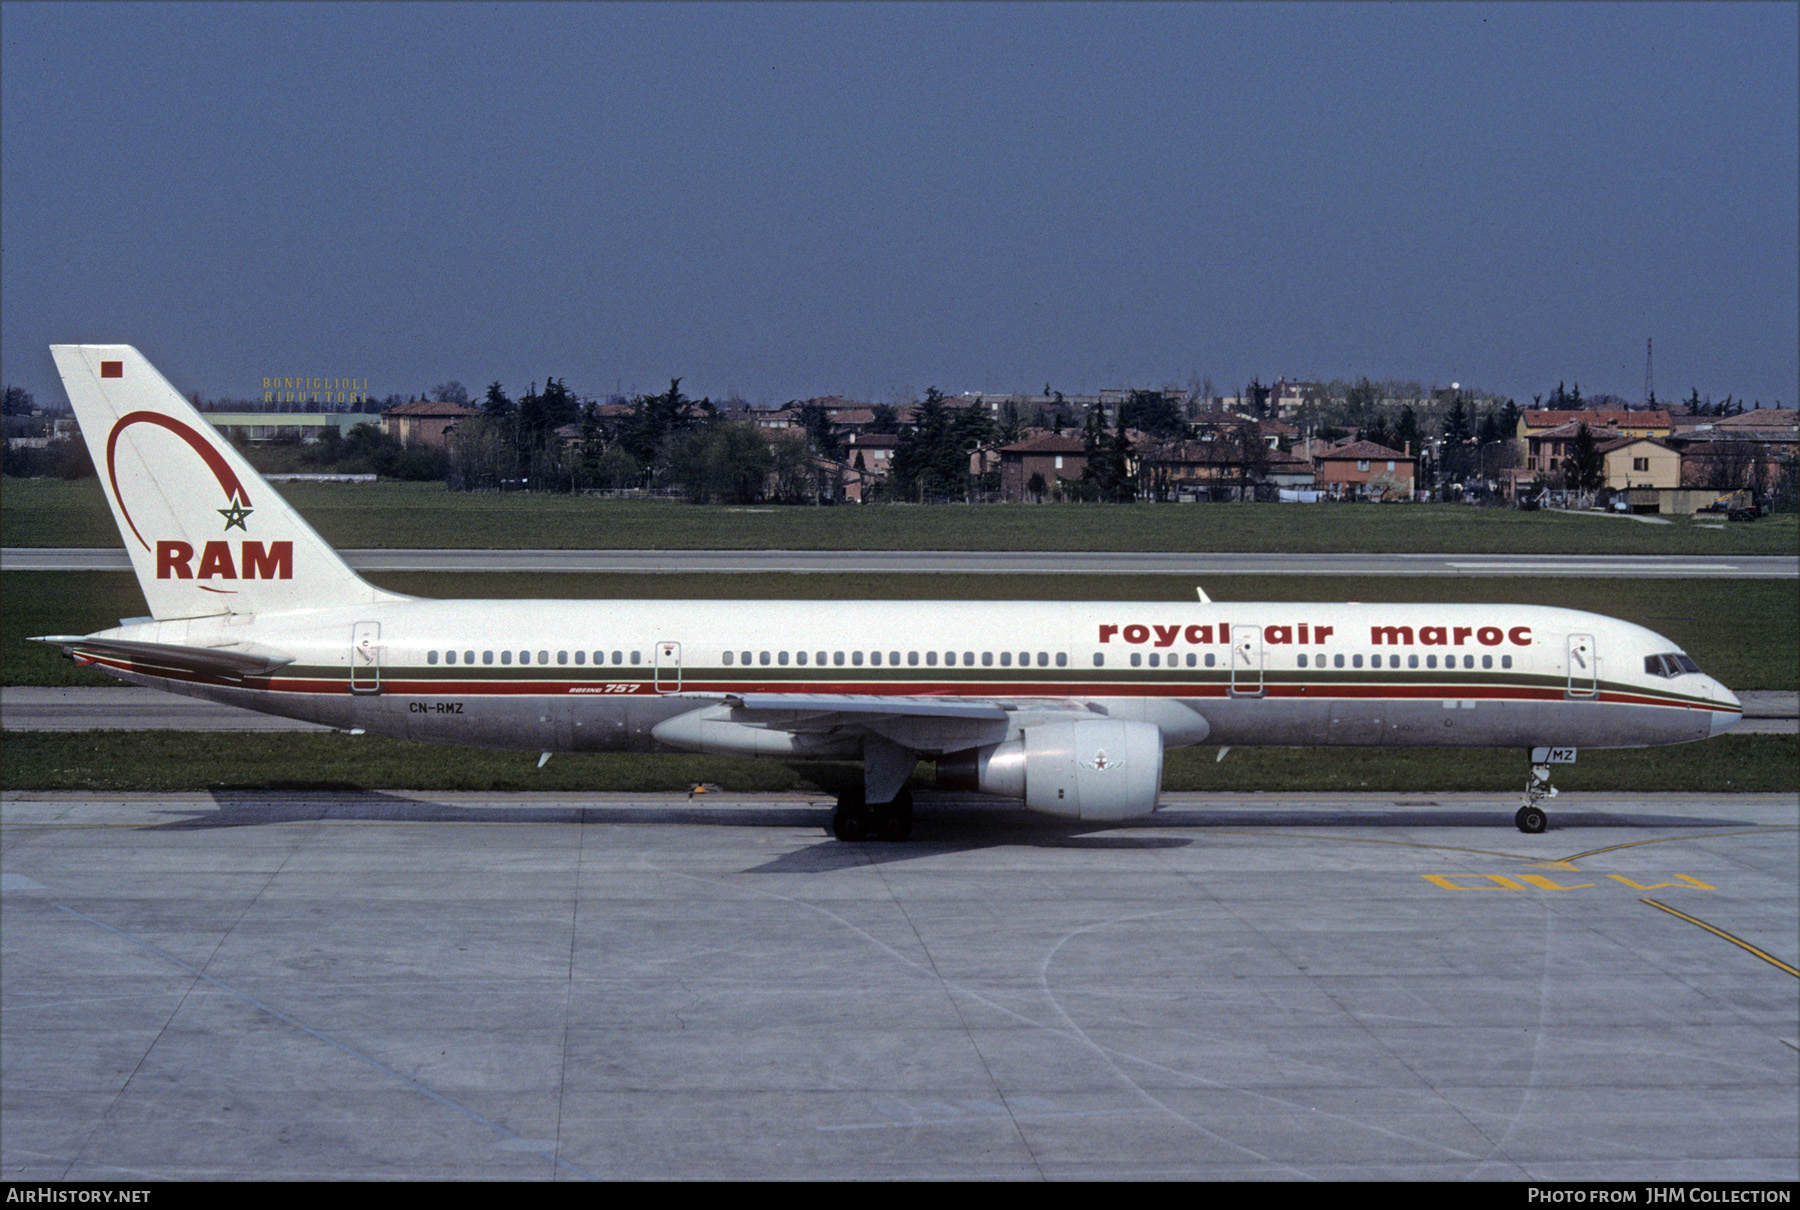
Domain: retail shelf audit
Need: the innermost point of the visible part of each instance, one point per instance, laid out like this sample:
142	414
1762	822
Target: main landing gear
856	820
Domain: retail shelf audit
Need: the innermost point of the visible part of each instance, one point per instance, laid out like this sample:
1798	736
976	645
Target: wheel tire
852	820
893	821
1531	820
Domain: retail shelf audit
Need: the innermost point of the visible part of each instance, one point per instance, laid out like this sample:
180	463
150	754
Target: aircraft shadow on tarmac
942	825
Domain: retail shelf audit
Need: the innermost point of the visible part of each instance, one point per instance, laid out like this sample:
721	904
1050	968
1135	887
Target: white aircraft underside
1065	707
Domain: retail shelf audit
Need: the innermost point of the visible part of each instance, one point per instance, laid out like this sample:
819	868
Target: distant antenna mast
1649	379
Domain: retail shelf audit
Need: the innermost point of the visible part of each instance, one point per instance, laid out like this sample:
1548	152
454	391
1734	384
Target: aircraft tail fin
206	533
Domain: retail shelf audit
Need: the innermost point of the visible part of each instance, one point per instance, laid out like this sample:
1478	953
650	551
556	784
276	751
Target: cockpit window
1672	664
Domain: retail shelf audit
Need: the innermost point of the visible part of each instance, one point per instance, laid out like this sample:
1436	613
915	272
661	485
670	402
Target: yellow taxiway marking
1719	932
1632	844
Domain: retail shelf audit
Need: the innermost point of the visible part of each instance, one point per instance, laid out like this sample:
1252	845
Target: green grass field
166	760
1755	650
45	512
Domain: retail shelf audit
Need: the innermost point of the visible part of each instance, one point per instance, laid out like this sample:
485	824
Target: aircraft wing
919	724
823	711
233	663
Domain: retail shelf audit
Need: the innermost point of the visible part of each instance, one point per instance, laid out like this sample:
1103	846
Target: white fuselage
570	676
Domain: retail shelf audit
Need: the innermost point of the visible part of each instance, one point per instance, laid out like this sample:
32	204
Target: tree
496	405
930	460
616	470
821	431
1585	467
450	392
1457	458
18	402
1256	396
483	454
727	462
653	422
1153	412
1012	424
791	469
1359	404
1107	475
1406	432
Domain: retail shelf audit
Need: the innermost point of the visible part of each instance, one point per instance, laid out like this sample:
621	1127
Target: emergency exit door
668	667
365	658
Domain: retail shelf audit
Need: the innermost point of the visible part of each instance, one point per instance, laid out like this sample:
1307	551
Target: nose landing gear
1531	817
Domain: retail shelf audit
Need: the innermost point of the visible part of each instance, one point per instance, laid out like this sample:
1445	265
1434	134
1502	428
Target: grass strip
50	512
165	760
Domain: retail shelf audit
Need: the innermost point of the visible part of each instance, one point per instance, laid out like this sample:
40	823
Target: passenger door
1584	667
1246	661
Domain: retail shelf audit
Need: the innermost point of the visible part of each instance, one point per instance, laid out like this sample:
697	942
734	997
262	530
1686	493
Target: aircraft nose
1725	720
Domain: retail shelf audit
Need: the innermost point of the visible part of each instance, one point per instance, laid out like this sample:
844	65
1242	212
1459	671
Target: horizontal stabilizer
234	663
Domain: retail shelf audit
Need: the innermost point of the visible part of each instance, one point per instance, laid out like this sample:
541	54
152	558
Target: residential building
1052	456
425	422
1365	470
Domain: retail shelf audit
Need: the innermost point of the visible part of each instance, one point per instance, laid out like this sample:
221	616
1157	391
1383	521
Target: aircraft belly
1252	721
1449	723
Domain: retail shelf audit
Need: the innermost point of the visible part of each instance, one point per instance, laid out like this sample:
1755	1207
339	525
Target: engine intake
1099	769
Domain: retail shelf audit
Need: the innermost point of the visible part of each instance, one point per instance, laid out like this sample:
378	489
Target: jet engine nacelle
1098	769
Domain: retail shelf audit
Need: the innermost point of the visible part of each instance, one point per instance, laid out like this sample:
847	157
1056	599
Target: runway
383	986
723	562
131	708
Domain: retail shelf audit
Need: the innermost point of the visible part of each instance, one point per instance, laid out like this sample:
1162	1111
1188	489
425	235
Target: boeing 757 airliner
1065	707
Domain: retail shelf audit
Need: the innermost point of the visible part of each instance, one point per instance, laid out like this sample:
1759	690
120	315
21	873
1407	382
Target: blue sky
787	200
